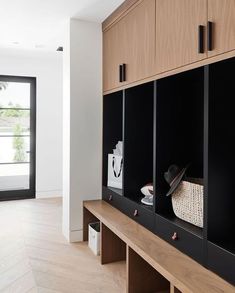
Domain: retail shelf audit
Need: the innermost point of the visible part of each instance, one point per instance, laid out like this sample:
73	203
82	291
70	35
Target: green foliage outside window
18	141
19	144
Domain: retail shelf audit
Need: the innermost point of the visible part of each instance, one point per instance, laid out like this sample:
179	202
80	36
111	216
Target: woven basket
187	201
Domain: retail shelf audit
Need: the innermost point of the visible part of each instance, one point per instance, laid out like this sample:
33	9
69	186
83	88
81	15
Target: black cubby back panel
179	128
112	126
138	137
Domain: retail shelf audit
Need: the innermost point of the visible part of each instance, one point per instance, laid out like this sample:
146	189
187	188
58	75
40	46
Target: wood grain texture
193	65
222	14
177	32
174	289
88	218
36	258
141	277
112	57
138	31
180	270
118	13
112	247
131	41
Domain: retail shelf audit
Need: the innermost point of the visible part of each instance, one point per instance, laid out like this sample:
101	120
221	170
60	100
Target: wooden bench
152	264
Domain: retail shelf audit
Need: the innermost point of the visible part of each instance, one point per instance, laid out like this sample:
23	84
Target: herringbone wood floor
35	257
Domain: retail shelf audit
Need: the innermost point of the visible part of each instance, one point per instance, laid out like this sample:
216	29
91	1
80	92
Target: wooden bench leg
143	278
112	247
88	218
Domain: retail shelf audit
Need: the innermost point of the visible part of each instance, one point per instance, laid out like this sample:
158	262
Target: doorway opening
17	137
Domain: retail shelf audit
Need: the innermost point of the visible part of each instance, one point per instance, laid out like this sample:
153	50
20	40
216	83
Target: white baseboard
74	236
48	193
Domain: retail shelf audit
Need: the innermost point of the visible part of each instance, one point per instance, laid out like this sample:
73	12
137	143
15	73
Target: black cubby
138	140
183	119
112	128
221	171
179	140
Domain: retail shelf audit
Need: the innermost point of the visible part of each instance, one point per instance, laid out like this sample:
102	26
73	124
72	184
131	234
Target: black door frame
27	193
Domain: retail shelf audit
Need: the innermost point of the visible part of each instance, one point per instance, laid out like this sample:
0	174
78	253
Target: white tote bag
115	164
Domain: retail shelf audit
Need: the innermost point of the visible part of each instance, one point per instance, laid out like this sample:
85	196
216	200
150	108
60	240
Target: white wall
82	122
47	68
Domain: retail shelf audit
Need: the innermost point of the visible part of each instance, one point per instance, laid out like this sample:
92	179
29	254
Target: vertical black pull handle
123	72
120	73
210	36
201	39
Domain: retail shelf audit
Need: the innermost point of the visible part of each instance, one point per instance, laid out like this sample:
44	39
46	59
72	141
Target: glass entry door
17	137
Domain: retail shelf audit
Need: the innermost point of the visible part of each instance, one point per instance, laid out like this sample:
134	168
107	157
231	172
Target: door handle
200	39
120	73
210	25
123	72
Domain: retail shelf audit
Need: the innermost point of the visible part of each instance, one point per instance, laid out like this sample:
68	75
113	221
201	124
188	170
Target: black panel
137	212
138	138
221	160
189	243
221	172
179	129
112	127
140	214
112	196
221	261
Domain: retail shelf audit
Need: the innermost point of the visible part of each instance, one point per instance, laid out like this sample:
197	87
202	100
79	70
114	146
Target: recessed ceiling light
15	43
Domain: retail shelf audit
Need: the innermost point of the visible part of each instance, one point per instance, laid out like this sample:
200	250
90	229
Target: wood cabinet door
112	57
130	41
138	30
222	15
177	32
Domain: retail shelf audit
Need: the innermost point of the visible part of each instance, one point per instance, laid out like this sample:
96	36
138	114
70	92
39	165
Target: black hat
173	177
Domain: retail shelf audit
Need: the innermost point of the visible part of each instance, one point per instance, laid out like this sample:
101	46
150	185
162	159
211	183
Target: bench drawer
180	238
140	214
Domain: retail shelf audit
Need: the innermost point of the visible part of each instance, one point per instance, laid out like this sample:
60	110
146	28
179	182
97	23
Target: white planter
94	237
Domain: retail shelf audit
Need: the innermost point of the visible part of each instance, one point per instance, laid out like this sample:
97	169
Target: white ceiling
39	24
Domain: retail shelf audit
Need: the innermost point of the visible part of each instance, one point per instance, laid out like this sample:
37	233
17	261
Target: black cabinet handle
120	73
123	72
210	36
201	39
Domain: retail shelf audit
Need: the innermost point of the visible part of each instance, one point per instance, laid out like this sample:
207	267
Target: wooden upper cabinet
177	32
112	49
138	29
222	15
130	41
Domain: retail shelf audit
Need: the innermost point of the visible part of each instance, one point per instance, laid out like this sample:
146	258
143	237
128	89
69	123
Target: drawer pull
174	236
110	198
123	72
120	73
210	36
135	213
201	39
